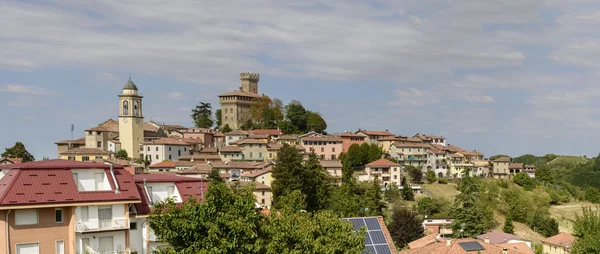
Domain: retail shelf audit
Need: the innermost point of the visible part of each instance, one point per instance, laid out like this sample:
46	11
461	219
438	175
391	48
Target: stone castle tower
235	106
131	120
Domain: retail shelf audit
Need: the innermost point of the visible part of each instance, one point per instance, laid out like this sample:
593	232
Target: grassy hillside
447	191
567	161
567	213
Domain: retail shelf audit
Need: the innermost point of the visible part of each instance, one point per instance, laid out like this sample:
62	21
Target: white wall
159	191
163	152
118	241
136	237
87	181
229	139
118	213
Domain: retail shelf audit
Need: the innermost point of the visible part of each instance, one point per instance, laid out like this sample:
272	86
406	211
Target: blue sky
513	77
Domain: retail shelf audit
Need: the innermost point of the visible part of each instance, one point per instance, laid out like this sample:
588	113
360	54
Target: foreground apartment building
65	207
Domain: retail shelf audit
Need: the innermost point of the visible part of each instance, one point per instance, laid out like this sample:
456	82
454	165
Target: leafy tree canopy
122	154
587	231
202	115
18	151
405	227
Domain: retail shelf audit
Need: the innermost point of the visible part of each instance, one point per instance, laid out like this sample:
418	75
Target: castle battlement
249	76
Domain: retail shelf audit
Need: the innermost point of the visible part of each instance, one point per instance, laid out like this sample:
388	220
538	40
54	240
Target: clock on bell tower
131	120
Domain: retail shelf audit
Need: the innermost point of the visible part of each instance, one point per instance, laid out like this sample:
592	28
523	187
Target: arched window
125	108
136	108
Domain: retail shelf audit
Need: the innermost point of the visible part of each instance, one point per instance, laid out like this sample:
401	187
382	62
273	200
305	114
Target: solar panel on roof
375	241
471	246
383	249
372	224
377	237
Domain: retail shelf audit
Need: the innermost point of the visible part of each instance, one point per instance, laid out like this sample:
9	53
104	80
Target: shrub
442	181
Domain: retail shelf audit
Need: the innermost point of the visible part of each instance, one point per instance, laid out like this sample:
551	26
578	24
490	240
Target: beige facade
500	168
131	120
253	149
554	249
235	106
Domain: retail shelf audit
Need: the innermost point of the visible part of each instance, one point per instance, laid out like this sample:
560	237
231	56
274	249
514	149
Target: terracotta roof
410	145
502	159
12	160
471	153
563	239
236	164
164	164
521	247
331	163
350	134
231	149
192	141
167	141
250	141
529	166
267	132
389	138
186	163
382	163
424	241
209	150
200	157
163	178
323	139
456	248
80	141
376	133
109	126
51	182
240	93
84	151
455	155
200	168
288	137
237	133
219	134
515	165
497	237
150	127
258	136
255	173
427	137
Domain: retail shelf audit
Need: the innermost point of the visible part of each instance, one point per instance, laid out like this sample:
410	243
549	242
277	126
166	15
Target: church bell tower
131	120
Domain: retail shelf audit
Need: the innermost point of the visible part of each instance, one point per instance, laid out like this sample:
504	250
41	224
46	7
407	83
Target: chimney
487	240
504	251
448	242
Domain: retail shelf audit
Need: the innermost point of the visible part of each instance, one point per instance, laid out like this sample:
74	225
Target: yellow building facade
131	120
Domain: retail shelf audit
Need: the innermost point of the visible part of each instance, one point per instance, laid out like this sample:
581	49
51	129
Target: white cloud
411	96
479	98
18	88
176	96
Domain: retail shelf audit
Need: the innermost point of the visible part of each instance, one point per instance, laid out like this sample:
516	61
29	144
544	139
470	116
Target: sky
498	76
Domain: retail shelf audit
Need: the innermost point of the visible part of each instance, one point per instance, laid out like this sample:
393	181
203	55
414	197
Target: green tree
392	193
249	125
18	151
407	193
372	199
429	207
374	153
587	231
296	114
227	222
215	177
122	154
290	174
415	173
470	217
543	174
405	227
431	176
544	225
226	129
202	115
288	127
218	120
508	228
592	195
293	231
314	122
523	180
498	156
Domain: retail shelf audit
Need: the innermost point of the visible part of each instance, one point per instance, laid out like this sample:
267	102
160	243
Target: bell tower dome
131	119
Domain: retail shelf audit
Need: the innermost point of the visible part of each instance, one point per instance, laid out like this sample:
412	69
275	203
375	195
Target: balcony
103	225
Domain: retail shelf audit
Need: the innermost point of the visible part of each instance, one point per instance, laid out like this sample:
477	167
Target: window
26	217
148	149
60	247
169	148
98	157
179	153
136	108
99	144
262	201
132	225
105	244
157	148
250	154
322	149
157	156
263	193
322	156
71	158
185	149
250	145
260	155
84	213
333	157
58	215
333	149
85	158
105	216
99	181
125	108
170	157
28	248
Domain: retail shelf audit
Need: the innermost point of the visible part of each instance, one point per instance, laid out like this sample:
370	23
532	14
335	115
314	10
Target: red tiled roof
163	164
187	187
376	133
515	165
209	150
424	241
13	160
80	141
410	145
109	126
267	132
231	149
563	239
200	157
455	248
249	141
323	139
382	163
521	247
255	173
288	137
502	159
166	141
51	182
350	134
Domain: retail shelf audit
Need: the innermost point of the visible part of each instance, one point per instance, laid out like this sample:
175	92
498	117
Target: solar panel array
471	246
375	242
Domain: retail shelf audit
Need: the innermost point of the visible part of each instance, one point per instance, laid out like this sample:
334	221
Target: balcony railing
102	225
